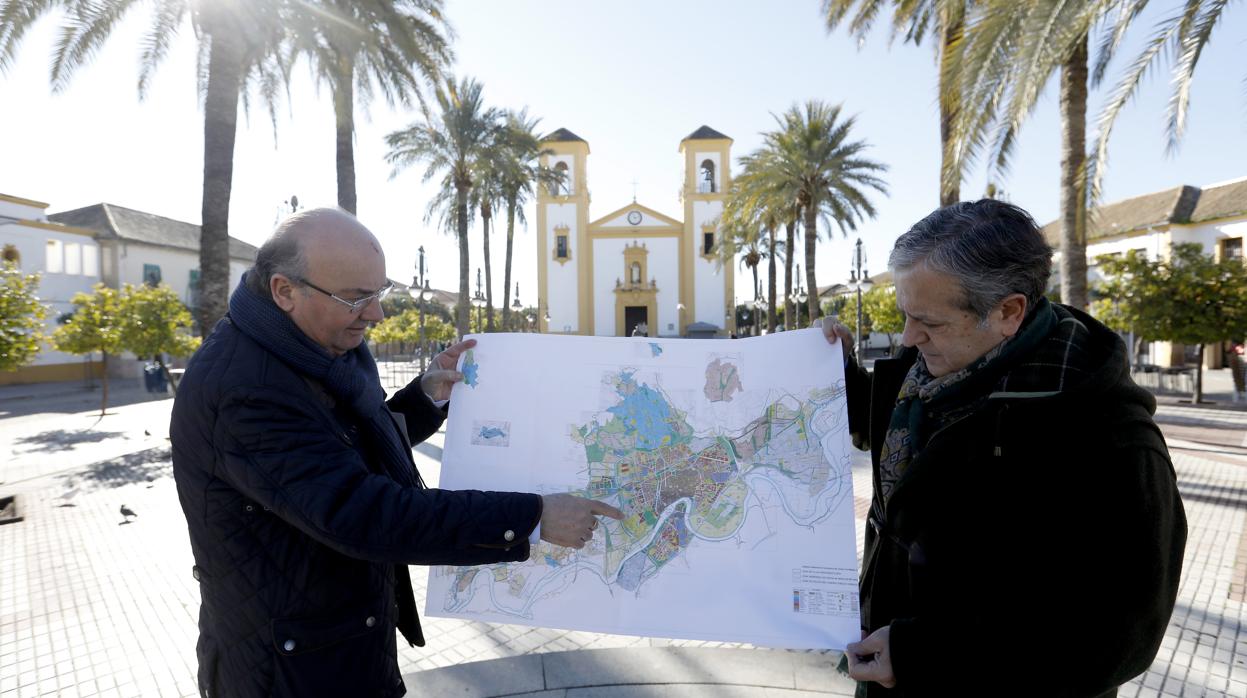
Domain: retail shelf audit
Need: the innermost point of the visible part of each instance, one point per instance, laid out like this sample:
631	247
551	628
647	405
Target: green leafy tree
450	142
880	304
1188	298
95	325
404	328
155	323
397	303
21	317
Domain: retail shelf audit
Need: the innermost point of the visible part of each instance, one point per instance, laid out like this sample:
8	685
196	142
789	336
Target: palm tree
450	143
520	176
758	202
394	45
1184	36
1012	49
913	18
827	172
239	43
486	195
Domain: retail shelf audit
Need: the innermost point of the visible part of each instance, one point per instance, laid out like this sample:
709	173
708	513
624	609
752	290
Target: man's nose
373	311
912	336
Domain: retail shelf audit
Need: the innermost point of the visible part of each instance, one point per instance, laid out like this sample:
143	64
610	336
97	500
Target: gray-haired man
1025	534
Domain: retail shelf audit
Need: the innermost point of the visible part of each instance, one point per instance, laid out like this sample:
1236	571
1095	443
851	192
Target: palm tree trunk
461	223
344	110
1073	178
811	244
506	266
790	242
952	33
220	127
770	280
486	214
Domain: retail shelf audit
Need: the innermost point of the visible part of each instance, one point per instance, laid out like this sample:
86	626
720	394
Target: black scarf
351	378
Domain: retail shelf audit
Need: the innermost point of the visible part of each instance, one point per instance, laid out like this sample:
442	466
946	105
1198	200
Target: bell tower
707	288
564	293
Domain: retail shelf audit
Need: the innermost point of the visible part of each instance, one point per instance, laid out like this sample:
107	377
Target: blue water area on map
469	371
656	349
644	412
629	577
681	531
492	432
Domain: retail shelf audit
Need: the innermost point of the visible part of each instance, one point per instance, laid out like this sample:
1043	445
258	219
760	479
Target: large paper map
729	458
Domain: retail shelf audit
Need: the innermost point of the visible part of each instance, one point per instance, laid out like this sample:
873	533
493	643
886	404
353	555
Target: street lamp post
478	300
859	280
516	306
760	308
419	292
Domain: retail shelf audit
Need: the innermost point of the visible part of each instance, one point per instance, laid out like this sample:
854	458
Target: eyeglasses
356	305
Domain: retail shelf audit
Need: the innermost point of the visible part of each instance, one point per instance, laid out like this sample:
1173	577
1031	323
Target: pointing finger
604	509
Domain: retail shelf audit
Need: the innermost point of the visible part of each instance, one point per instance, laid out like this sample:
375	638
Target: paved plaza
94	603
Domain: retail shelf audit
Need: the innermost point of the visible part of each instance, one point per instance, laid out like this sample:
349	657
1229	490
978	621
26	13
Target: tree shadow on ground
1207	493
142	466
15	404
64	439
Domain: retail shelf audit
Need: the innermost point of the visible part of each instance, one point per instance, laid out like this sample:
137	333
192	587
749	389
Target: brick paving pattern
93	606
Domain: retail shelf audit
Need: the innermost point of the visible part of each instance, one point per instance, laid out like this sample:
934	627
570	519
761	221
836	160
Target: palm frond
1191	44
1124	92
166	22
16	18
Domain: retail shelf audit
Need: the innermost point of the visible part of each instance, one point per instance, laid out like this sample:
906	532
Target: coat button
370	621
249	508
289	646
196	573
508	536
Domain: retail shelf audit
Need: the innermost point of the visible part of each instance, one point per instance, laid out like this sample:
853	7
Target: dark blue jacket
301	540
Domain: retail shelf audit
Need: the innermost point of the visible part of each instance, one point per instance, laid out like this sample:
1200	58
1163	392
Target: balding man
296	477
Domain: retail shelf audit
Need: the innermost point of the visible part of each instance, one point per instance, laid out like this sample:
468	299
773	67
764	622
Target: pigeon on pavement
67	497
126	513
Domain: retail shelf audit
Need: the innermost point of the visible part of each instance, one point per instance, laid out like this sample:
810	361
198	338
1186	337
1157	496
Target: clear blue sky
631	78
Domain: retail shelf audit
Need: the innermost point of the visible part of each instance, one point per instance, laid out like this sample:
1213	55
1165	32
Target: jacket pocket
339	653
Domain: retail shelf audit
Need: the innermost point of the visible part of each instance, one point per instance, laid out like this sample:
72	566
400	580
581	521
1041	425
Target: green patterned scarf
1045	354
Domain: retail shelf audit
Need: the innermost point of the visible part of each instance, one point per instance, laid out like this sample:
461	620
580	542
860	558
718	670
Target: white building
138	247
67	258
634	267
103	243
1214	216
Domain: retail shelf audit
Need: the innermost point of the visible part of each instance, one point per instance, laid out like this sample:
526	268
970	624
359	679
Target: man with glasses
1025	534
298	485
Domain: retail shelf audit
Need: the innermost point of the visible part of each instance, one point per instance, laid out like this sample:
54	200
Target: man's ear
282	290
1012	312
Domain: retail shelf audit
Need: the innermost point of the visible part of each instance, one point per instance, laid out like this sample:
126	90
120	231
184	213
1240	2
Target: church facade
635	270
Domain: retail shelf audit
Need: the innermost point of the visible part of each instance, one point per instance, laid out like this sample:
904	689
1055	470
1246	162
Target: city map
730	464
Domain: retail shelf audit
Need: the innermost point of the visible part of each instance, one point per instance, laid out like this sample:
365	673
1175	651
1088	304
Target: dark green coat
1032	548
